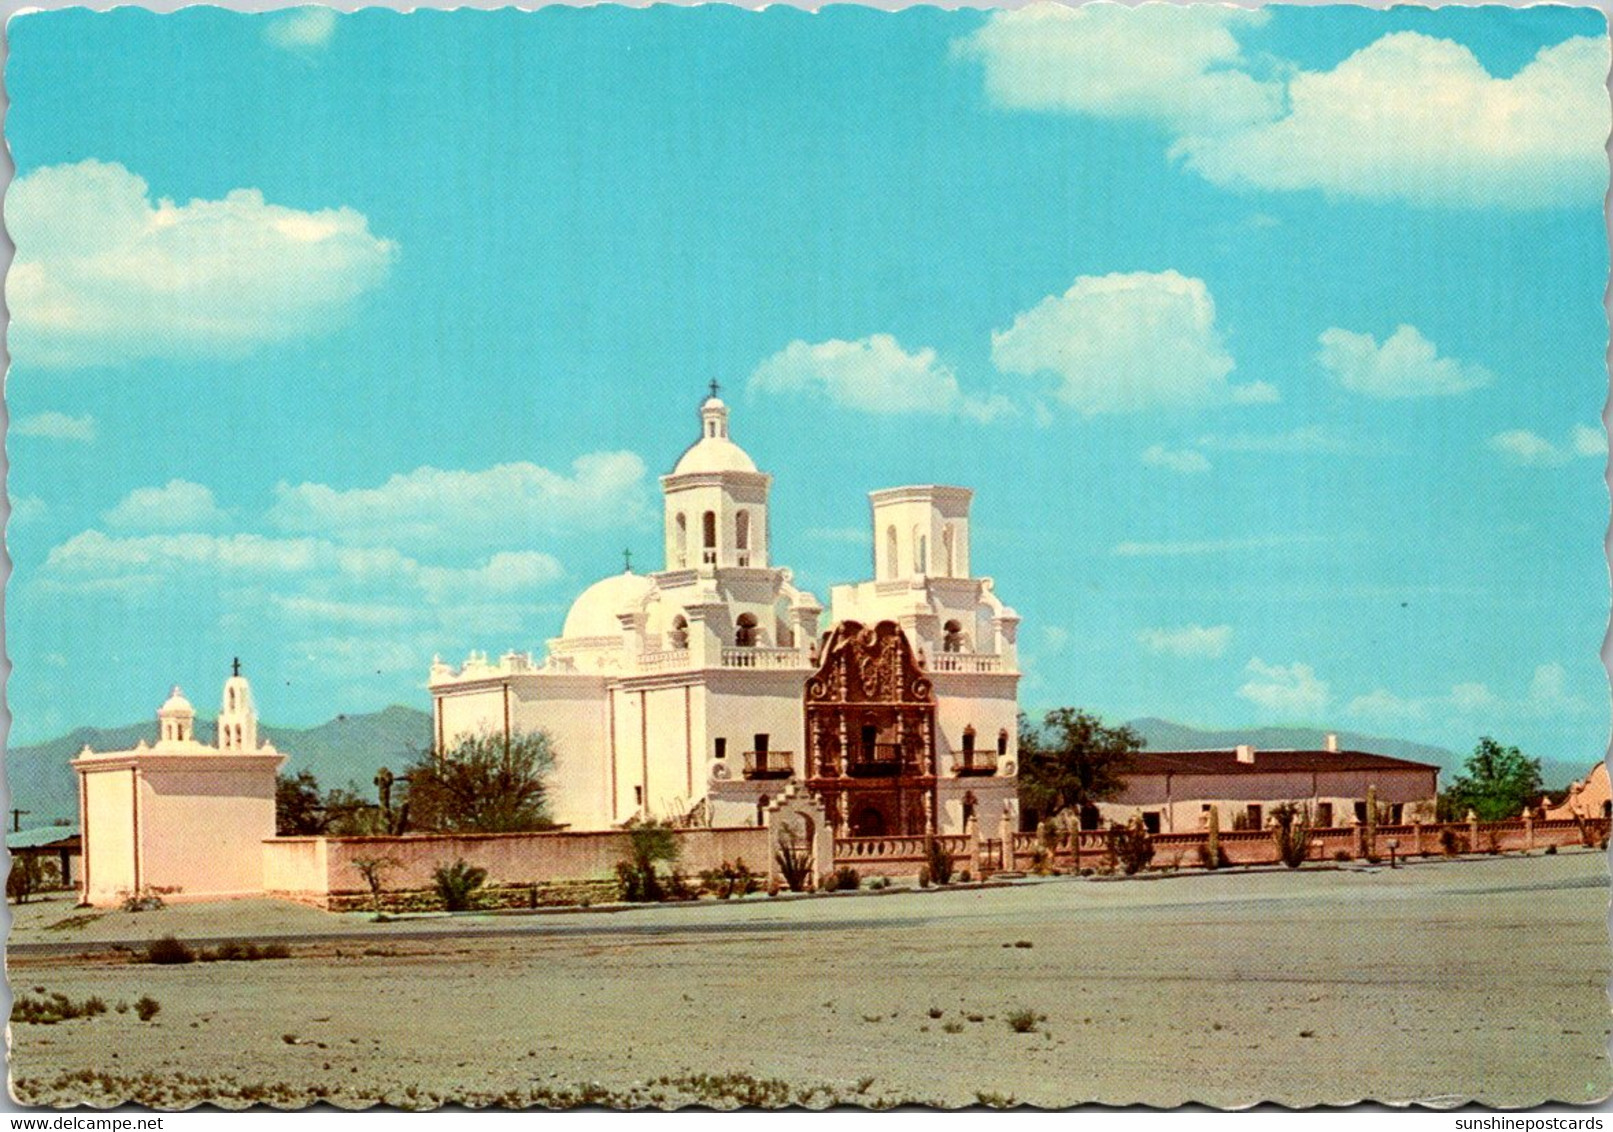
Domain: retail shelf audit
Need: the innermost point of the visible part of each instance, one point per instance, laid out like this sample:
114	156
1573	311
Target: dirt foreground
1437	983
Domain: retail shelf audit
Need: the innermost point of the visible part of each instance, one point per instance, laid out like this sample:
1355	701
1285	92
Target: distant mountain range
350	748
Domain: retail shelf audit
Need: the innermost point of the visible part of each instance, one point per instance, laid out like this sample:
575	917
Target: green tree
298	809
485	783
1071	762
1497	784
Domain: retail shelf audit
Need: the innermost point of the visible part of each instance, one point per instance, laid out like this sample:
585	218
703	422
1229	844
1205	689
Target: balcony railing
761	658
881	760
965	662
769	764
667	660
967	764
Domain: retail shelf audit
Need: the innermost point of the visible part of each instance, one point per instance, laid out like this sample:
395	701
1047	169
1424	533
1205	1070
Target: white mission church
707	686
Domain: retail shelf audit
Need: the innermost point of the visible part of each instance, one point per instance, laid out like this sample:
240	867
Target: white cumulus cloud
1419	119
1176	66
103	274
1520	446
56	426
1290	691
1475	705
1188	641
1184	460
177	505
875	375
302	29
433	507
1405	365
1121	343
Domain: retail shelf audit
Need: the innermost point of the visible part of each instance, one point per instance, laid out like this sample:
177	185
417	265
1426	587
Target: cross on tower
627	561
714	387
237	666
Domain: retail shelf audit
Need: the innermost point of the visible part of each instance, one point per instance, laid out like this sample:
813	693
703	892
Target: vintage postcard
770	558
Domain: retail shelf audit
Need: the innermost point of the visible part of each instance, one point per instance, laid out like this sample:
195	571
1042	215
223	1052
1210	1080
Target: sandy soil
1440	982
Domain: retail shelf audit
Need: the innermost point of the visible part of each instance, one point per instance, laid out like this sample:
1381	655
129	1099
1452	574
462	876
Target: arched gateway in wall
870	730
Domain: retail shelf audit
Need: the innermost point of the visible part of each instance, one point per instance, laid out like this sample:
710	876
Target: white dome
714	454
594	612
176	704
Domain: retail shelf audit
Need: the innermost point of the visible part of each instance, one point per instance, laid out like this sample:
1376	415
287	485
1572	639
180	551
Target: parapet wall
315	870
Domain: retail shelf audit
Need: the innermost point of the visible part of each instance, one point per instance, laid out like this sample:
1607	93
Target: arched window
947	552
708	538
921	553
890	552
742	537
952	641
680	543
1002	743
745	632
679	637
969	743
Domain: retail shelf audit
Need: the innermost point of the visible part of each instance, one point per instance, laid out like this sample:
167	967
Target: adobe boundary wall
324	871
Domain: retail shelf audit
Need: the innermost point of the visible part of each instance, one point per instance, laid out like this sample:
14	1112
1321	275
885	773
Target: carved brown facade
870	731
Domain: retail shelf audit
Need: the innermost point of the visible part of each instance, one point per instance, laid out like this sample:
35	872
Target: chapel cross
627	561
237	666
714	387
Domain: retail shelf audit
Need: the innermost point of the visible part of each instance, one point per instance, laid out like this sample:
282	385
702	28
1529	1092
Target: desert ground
1438	982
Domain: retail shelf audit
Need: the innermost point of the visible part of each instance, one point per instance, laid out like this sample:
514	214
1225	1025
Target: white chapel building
706	687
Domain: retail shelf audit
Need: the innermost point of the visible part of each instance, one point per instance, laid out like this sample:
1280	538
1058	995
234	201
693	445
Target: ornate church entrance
870	728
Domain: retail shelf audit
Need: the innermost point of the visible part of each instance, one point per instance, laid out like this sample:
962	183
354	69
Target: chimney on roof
1332	744
1245	753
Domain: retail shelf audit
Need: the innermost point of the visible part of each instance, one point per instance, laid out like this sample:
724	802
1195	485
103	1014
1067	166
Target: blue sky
1272	344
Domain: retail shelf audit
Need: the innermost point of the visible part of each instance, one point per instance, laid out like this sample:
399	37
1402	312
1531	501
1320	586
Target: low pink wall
317	867
1257	847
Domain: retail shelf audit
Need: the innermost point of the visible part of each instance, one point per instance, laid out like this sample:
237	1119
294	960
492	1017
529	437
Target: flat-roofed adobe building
1174	791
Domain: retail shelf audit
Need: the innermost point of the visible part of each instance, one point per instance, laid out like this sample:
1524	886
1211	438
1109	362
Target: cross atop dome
715	389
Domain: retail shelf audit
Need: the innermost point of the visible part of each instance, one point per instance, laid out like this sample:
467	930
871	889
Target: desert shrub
1211	859
142	902
374	870
847	878
679	888
1341	855
794	860
938	859
169	950
965	877
25	879
456	884
146	1007
1292	833
1041	861
649	843
239	951
1551	850
1451	843
728	880
879	882
924	876
53	1008
1130	847
1023	1020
